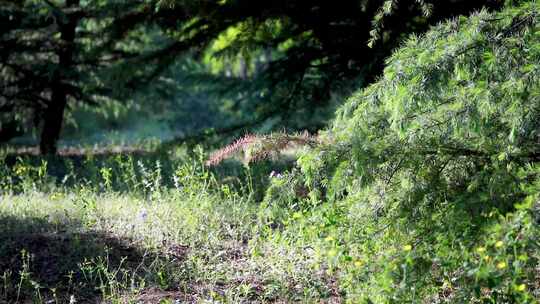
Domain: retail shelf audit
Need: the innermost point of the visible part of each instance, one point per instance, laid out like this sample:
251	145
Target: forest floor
187	244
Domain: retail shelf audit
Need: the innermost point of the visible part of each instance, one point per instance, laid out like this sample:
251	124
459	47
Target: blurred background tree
57	53
296	54
198	67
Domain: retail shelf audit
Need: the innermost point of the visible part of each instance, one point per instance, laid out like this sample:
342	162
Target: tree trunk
54	114
52	121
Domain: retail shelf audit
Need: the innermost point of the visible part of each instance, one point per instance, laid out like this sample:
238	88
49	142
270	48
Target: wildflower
480	249
329	238
522	257
55	196
358	263
521	287
143	214
487	258
20	170
297	215
407	247
332	253
275	174
499	244
501	265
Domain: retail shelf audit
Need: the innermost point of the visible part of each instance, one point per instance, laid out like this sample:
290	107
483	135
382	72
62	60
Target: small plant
110	281
106	175
6	283
26	284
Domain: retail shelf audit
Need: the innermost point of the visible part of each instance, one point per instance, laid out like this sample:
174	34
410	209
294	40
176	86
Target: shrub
438	154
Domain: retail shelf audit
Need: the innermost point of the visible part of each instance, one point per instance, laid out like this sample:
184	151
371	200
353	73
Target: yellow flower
332	253
521	287
480	249
522	257
501	265
499	244
20	170
297	215
407	248
358	263
487	258
329	238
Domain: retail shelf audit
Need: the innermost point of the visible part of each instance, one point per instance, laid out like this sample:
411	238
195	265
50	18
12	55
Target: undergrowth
139	232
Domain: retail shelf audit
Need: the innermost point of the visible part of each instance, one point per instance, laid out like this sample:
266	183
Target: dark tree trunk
52	121
54	114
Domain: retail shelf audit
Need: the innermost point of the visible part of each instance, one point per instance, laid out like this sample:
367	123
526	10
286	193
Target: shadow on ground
42	262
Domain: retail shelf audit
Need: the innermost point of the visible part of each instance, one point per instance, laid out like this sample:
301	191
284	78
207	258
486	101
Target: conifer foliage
435	166
465	95
55	53
313	49
261	147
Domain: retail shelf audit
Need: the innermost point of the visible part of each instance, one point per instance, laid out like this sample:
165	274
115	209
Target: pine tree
55	53
431	174
318	47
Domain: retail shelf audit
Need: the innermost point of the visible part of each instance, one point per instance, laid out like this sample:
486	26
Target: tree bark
54	114
52	121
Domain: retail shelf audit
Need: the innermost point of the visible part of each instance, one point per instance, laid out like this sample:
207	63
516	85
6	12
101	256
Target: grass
196	241
130	242
165	229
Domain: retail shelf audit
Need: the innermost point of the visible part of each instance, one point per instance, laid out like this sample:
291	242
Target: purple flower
275	174
143	215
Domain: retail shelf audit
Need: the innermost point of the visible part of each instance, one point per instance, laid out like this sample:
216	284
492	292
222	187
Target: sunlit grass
196	242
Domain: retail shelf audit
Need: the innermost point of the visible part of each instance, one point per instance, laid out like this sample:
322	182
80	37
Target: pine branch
261	147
